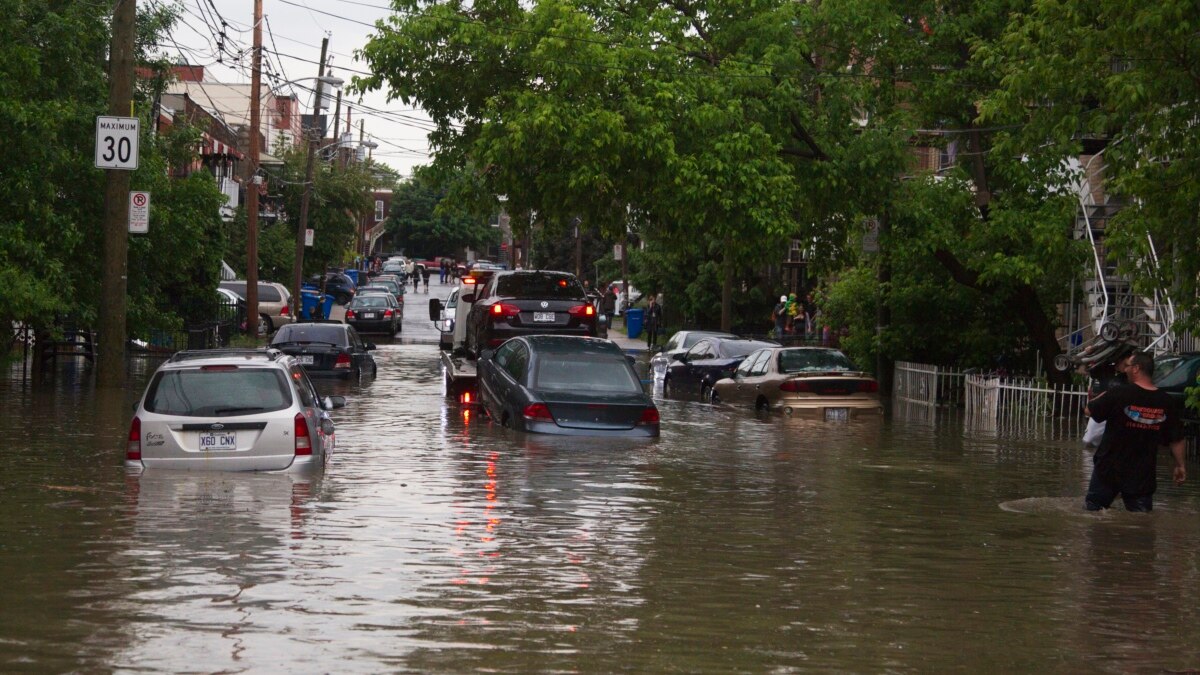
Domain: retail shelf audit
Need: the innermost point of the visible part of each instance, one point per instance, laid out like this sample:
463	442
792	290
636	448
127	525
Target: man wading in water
1140	418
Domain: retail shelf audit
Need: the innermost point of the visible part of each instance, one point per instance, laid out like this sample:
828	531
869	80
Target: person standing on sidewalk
608	304
653	320
780	316
1138	418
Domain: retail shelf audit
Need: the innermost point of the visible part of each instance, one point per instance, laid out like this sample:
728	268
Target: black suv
337	284
531	302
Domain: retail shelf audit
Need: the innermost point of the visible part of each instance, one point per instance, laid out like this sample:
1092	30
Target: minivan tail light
503	310
582	310
284	311
133	451
343	361
649	416
303	441
538	412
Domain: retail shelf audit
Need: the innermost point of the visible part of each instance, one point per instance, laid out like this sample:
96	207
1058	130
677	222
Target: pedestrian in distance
653	321
1138	418
443	271
425	272
608	305
779	316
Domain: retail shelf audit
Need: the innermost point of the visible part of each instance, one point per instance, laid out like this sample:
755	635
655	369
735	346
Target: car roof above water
226	356
572	343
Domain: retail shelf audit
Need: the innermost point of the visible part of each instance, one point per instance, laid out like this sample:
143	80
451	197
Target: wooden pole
110	372
315	134
252	178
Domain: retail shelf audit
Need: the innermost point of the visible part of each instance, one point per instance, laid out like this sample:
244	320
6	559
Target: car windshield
218	391
808	360
306	332
1163	365
369	301
536	285
586	372
692	338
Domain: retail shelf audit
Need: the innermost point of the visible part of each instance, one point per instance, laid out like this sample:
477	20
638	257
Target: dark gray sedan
558	384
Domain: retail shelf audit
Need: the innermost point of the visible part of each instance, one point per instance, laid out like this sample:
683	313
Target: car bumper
380	326
640	431
823	408
272	464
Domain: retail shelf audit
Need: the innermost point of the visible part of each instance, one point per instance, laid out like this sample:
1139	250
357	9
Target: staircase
1110	295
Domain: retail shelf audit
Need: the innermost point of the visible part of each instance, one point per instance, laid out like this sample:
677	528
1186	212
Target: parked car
528	303
327	348
814	381
339	285
394	266
1174	373
274	303
231	410
679	343
446	321
374	313
694	372
390	282
557	384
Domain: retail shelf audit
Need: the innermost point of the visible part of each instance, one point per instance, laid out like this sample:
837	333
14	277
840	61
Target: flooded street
437	542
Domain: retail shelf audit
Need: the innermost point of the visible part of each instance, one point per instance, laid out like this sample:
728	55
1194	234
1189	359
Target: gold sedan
813	381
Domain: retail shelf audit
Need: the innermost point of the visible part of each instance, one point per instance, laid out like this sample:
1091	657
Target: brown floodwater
437	542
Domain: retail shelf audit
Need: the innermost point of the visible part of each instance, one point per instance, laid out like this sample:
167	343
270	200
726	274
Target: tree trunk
727	286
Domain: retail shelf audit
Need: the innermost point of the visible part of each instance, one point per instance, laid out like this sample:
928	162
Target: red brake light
218	368
387	313
303	442
868	386
538	412
343	361
349	314
284	311
649	416
582	310
795	386
501	309
133	450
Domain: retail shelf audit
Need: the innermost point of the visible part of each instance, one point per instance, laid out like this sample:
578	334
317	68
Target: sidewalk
618	334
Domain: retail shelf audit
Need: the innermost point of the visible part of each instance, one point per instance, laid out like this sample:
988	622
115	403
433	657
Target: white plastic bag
1094	432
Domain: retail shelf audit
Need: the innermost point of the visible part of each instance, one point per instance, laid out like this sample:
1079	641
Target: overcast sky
292	35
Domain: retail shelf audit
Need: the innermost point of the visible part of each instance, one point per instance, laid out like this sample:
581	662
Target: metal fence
924	384
1023	405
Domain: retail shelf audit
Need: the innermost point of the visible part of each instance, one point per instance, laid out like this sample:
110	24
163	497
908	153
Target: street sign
308	237
139	212
618	251
117	143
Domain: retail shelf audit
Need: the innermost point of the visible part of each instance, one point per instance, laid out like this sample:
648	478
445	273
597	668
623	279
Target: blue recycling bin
309	300
353	274
633	322
327	306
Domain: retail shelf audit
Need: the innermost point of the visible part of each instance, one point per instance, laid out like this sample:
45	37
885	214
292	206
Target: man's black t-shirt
1138	421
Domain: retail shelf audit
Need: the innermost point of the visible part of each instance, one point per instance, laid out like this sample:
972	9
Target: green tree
425	225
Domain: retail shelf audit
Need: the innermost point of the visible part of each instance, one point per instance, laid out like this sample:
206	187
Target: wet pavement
437	542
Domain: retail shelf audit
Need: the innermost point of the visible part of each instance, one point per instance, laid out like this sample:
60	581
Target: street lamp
302	226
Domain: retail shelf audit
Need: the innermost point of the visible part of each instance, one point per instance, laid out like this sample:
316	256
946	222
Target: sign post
139	212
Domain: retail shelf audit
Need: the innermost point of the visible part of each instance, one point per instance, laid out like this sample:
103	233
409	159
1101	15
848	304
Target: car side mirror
435	309
631	359
327	427
370	346
468	298
486	354
333	402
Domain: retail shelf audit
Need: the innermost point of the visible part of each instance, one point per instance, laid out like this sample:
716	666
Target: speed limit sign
117	143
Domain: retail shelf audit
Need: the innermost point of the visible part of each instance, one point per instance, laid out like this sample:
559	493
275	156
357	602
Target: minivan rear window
539	285
266	292
224	392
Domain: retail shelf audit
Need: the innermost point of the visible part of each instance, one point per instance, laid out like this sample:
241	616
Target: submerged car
566	385
813	381
679	343
694	372
327	348
369	312
231	410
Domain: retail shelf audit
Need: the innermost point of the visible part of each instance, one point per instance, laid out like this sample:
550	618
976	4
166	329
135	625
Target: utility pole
883	310
578	248
252	179
110	373
314	135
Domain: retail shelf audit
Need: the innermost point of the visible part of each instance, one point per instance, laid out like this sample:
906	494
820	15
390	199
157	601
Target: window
606	373
504	353
746	365
810	360
732	349
308	397
378	210
763	363
329	333
540	285
213	392
700	351
516	365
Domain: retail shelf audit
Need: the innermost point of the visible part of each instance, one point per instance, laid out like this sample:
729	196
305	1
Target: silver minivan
231	410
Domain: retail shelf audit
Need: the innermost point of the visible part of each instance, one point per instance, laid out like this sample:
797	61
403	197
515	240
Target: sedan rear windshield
734	349
331	333
586	372
218	391
542	286
369	301
802	360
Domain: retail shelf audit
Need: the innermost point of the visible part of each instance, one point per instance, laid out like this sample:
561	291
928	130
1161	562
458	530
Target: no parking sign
139	212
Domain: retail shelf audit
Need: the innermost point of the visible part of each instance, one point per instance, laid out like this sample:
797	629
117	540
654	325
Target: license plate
218	440
368	315
837	414
543	316
305	359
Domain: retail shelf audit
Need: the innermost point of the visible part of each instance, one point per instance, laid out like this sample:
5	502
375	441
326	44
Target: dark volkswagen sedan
694	372
532	302
326	348
575	386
